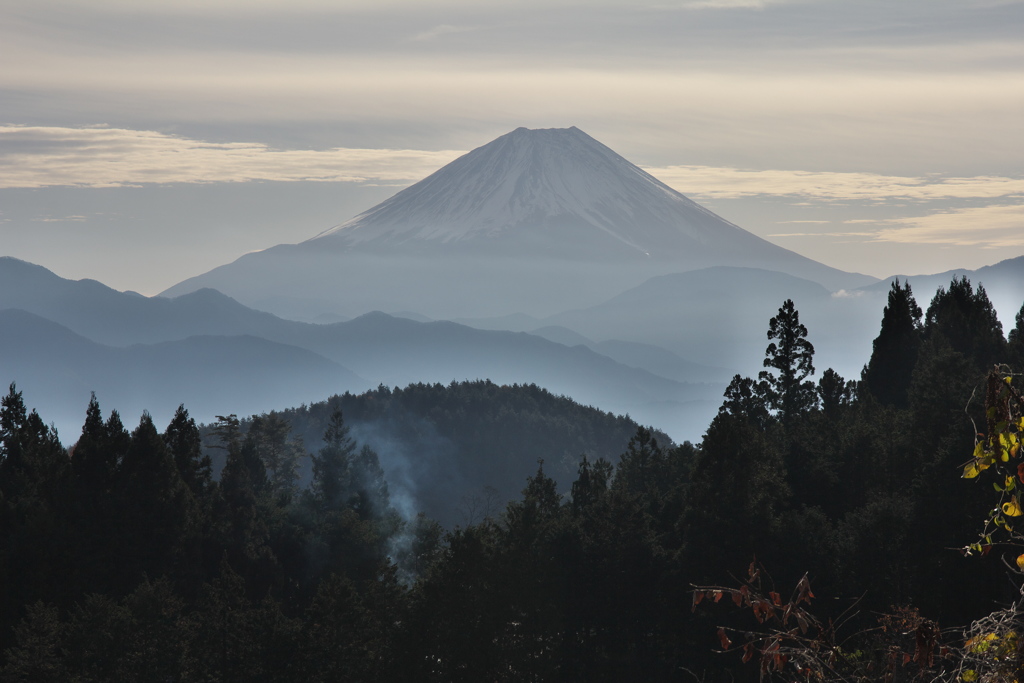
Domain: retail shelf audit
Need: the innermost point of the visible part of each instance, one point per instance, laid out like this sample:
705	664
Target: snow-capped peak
547	189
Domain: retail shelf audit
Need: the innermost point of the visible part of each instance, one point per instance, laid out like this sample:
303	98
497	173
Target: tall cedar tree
331	467
156	505
791	356
894	351
185	443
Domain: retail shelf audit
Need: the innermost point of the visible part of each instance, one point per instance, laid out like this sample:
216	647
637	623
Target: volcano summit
534	221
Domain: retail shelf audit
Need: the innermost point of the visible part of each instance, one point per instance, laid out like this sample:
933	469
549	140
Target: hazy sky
146	141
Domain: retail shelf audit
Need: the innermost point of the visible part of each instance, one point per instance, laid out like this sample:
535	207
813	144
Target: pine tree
155	504
747	398
834	392
791	356
280	454
894	351
185	443
332	476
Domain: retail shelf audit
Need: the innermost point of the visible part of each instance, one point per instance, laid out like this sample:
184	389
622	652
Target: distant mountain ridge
537	220
1003	281
57	369
374	348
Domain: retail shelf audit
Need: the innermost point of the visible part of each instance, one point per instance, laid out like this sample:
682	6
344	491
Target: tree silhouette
790	355
894	351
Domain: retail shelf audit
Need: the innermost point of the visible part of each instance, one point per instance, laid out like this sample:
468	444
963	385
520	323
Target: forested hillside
458	451
124	558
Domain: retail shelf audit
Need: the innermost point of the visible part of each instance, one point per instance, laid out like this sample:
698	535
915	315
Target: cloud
65	219
42	156
996	226
100	156
731	183
823	234
442	30
726	4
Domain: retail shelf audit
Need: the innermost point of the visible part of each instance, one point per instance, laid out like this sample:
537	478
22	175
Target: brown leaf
724	639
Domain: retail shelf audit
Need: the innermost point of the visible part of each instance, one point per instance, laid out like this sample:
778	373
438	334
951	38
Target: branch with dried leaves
792	644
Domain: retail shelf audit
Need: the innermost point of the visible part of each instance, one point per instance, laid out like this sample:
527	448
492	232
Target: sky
146	141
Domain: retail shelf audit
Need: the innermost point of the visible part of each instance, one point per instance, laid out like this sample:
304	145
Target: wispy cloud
727	4
38	156
985	227
996	226
41	156
442	30
64	219
731	183
823	234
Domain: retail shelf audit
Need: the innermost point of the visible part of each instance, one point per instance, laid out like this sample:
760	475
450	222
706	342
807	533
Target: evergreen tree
791	357
834	393
369	496
591	483
739	489
643	468
966	320
186	446
1015	342
332	465
279	453
96	459
748	399
895	349
242	511
156	506
35	487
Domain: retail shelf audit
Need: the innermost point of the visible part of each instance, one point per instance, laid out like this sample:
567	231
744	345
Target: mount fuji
536	221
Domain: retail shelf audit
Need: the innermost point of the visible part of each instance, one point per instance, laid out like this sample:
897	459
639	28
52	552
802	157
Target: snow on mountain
534	222
548	189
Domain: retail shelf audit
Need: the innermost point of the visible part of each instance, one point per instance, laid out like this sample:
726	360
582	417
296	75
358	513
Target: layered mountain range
635	299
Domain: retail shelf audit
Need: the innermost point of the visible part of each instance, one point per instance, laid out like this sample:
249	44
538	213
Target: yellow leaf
1020	562
1012	509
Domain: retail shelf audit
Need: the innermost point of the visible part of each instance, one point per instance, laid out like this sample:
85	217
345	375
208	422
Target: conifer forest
824	529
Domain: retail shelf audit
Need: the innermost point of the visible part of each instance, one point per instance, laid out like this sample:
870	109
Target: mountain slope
546	192
718	316
537	220
377	347
57	369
